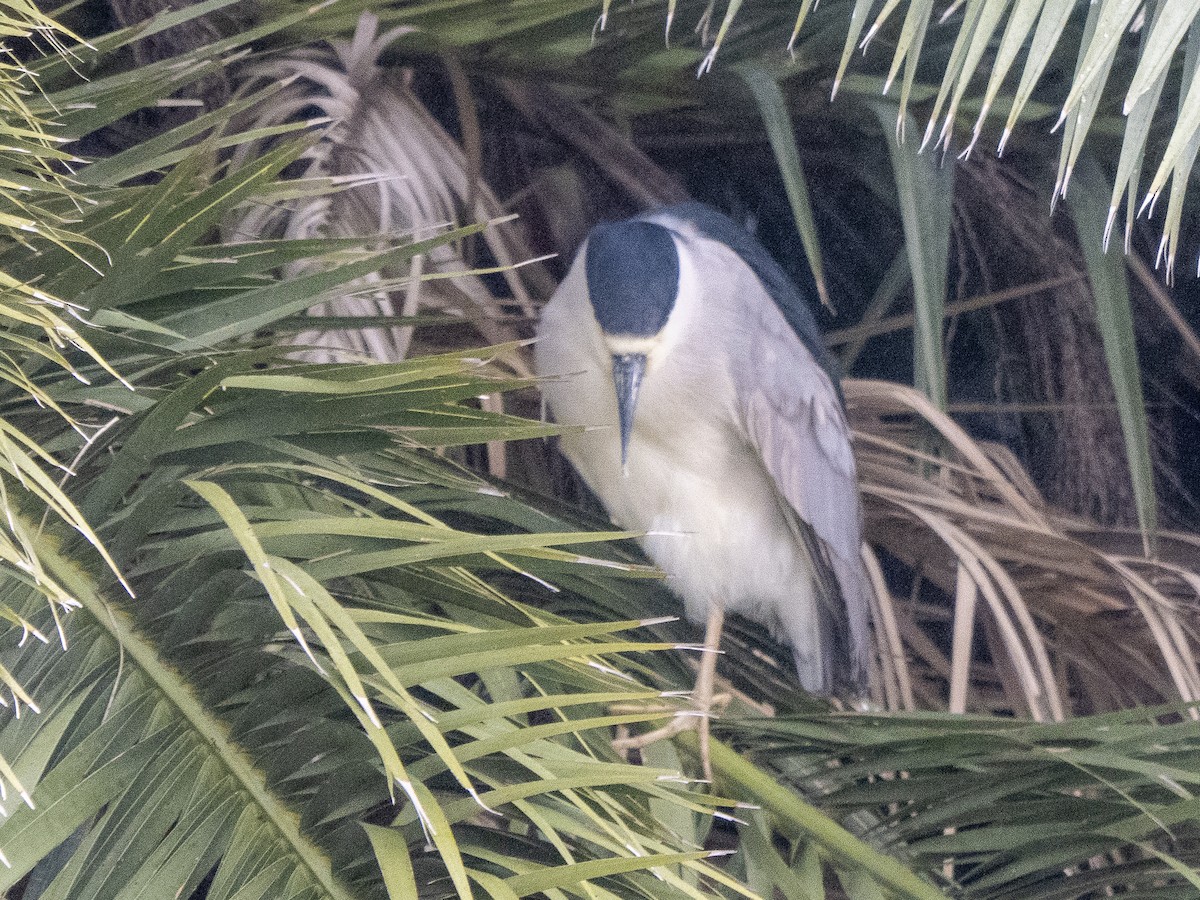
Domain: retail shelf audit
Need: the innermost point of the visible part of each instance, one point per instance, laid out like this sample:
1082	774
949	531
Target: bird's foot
704	698
698	717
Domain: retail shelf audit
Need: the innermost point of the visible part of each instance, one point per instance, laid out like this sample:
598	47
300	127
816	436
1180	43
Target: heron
723	437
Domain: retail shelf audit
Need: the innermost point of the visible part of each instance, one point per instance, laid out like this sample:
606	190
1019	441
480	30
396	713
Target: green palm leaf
344	649
273	683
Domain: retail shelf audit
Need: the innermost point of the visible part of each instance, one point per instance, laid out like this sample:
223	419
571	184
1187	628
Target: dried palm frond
1015	607
399	172
1051	345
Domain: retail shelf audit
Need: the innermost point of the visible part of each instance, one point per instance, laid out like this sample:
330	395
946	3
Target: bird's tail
844	594
856	594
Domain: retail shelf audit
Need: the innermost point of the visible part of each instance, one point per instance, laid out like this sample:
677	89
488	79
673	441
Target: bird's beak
628	369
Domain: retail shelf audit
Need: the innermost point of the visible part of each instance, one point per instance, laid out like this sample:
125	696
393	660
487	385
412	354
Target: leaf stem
740	779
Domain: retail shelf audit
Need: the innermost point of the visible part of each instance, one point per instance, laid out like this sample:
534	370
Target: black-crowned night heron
726	441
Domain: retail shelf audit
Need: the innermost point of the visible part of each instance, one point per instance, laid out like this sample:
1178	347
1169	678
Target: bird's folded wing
794	418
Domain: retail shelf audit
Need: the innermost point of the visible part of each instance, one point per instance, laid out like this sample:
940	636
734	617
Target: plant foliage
299	676
265	639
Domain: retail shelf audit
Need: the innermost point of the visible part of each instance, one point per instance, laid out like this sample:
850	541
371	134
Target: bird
718	432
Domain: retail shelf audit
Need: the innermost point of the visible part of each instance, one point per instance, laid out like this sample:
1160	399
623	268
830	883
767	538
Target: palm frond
345	650
1023	579
413	178
311	644
1005	808
968	65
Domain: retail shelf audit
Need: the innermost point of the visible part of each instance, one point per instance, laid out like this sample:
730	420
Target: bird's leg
702	698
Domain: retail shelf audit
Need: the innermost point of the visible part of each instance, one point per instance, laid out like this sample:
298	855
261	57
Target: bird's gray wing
794	418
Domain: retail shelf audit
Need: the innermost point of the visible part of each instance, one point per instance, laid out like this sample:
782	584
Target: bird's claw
698	717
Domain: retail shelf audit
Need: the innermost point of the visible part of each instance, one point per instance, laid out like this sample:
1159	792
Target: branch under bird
727	447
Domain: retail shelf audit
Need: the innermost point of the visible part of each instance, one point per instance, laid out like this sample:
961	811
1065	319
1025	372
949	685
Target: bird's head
636	274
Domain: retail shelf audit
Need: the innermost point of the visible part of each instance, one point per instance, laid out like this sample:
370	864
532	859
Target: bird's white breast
713	519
